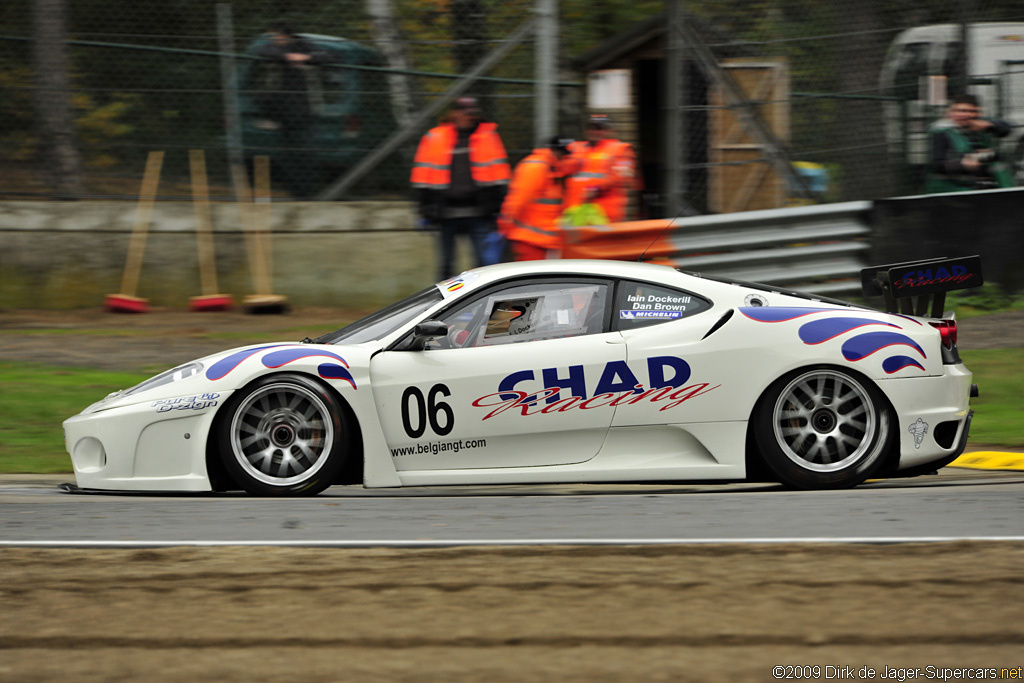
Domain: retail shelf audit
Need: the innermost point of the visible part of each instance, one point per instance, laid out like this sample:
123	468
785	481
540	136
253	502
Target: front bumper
140	448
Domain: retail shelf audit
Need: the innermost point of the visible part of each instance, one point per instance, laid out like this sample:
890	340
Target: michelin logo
918	429
635	315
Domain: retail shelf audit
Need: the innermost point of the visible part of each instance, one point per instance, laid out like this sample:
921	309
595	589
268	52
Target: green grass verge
990	298
999	410
35	400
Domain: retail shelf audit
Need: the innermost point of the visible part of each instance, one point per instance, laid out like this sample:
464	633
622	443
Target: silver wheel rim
281	434
825	421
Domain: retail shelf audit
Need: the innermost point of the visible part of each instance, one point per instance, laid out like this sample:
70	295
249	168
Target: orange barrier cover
619	241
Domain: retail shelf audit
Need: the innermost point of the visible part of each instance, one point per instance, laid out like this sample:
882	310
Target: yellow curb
990	460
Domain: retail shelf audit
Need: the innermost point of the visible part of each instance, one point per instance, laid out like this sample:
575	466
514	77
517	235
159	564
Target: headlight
175	375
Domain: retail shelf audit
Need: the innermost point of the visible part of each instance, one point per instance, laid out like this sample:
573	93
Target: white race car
553	371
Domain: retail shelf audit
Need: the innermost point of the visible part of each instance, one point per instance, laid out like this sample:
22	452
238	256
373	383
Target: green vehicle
314	121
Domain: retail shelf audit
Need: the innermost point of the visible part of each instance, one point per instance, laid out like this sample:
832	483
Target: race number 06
426	410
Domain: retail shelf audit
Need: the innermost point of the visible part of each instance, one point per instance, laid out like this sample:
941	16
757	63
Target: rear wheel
823	429
284	435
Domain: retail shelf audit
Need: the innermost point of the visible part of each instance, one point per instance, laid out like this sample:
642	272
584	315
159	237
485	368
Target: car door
665	340
518	381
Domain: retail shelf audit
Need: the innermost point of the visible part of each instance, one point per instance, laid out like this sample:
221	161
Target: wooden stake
204	234
210	300
261	196
256	227
245	217
143	213
126	301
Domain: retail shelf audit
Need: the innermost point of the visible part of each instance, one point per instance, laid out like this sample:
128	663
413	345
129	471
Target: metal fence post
546	51
229	83
675	148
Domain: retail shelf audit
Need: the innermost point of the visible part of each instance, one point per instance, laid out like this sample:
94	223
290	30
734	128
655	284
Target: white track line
433	543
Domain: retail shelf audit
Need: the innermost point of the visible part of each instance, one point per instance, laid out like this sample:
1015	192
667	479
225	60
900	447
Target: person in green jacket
964	150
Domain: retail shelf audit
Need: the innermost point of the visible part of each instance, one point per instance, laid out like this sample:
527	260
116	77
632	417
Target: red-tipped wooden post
208	301
125	301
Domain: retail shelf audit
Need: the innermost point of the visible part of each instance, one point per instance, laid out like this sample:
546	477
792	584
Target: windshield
385	321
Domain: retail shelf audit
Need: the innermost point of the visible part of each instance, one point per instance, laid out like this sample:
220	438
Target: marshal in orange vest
534	203
432	166
604	170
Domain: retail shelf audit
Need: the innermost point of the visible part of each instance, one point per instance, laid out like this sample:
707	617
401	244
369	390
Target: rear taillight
947	332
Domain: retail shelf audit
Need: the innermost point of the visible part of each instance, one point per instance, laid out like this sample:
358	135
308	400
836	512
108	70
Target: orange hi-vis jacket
488	161
534	202
608	170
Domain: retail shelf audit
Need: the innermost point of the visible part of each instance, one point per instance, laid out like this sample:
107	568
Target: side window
911	64
263	84
337	87
527	313
951	54
639	304
313	76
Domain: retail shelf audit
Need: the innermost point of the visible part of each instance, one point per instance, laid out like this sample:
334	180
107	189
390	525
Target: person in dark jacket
460	174
964	150
287	108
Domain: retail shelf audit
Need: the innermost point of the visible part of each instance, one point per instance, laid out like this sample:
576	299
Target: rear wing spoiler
911	287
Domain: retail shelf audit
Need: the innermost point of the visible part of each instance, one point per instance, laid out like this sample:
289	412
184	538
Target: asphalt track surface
955	504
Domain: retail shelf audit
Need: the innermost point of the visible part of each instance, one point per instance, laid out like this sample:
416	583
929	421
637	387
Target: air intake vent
721	321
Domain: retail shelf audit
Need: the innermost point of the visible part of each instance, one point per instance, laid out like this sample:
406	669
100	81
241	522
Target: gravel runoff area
940	611
674	613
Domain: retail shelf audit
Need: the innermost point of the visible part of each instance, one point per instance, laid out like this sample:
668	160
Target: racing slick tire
284	435
823	428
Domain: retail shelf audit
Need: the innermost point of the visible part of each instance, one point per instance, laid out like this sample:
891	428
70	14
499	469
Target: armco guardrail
819	249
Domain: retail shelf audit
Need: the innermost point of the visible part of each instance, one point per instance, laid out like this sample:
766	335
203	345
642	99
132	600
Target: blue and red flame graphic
284	354
857	347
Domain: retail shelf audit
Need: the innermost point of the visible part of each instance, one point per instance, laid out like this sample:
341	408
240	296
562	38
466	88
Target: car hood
210	378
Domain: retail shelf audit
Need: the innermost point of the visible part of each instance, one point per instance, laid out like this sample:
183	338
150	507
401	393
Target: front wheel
823	429
284	435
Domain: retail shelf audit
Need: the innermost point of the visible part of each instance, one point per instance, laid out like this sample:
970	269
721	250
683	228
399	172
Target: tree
61	160
388	40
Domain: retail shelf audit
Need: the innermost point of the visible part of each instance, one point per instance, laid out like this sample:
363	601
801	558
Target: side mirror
424	332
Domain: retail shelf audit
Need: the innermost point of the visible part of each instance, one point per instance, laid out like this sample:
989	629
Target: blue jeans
477	227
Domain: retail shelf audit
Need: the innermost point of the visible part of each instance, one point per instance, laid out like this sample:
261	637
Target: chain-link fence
793	103
773	103
146	76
